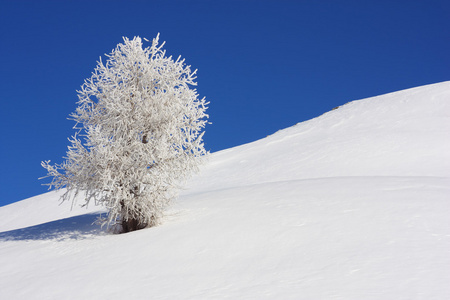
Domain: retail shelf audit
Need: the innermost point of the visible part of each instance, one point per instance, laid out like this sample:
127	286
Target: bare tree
141	125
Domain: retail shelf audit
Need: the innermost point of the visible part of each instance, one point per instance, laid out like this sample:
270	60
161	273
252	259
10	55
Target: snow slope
353	204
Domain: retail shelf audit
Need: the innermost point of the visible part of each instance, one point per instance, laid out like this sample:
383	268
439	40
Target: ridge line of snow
412	177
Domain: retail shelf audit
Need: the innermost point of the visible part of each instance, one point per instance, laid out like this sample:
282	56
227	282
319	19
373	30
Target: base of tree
132	225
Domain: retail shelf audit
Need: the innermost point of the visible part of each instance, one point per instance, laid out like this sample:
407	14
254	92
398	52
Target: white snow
353	204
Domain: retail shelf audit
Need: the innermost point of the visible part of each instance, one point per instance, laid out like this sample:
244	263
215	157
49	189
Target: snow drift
353	204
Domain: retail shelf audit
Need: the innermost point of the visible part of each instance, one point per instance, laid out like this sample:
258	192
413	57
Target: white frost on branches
139	134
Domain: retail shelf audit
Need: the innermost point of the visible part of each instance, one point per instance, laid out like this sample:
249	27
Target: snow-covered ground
354	204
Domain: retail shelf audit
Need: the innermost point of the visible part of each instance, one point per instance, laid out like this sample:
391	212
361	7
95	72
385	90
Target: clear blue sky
263	65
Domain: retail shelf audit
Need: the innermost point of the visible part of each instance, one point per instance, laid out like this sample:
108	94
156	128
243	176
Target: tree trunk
132	225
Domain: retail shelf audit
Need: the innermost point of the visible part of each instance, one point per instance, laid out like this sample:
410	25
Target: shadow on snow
78	227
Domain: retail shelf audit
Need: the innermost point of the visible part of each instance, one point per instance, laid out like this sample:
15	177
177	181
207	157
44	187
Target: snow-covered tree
139	135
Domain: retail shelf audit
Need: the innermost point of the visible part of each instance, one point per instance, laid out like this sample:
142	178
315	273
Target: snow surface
353	204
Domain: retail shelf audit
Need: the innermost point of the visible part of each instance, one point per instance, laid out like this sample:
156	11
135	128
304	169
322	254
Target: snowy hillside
353	204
